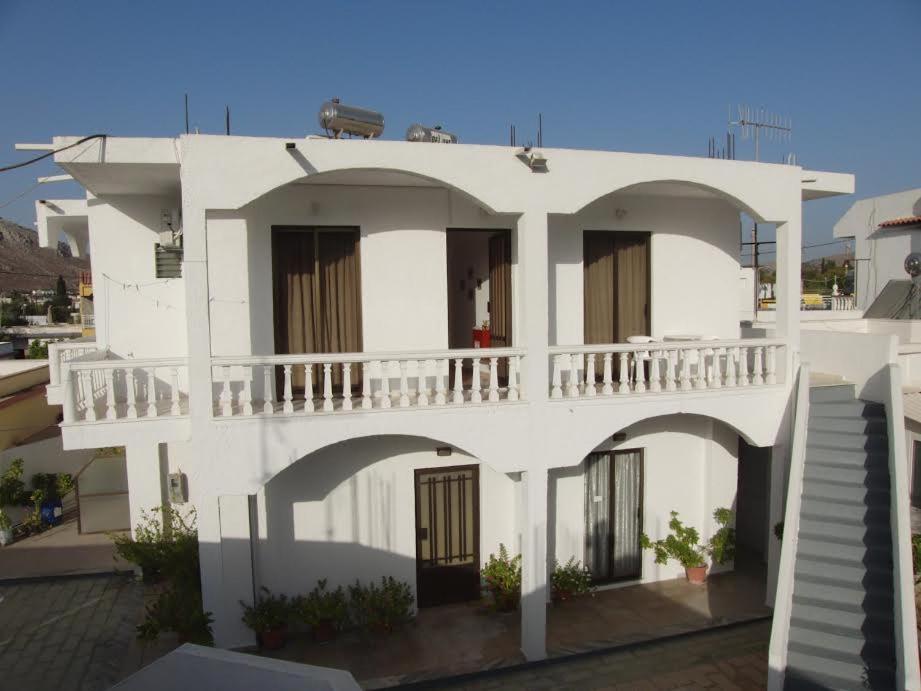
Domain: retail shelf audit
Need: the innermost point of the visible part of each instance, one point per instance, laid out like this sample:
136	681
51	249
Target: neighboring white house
219	261
886	229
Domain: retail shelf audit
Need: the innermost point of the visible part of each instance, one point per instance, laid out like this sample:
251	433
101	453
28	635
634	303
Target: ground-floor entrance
447	535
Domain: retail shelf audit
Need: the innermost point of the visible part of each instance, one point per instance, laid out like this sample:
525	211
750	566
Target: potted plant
569	580
6	529
682	545
326	612
501	578
722	546
12	493
268	617
383	608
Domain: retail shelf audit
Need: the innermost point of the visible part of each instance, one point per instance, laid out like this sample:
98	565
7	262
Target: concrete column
225	553
532	303
789	286
145	480
534	565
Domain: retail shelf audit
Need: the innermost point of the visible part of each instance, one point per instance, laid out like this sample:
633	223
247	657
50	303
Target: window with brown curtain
500	295
615	285
317	295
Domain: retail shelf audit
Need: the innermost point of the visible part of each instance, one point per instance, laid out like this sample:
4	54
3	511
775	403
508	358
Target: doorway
447	535
614	515
615	285
316	276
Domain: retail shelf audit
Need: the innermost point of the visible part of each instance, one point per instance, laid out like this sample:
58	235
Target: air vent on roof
169	261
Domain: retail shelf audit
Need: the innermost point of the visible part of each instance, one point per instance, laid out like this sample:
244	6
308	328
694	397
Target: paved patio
459	639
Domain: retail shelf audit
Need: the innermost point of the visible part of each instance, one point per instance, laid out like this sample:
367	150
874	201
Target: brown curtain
631	277
317	297
598	287
500	294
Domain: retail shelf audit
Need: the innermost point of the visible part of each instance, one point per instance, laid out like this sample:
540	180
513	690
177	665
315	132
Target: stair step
839	596
847	441
848	409
836	530
819	546
858	459
851	616
845	648
869	496
857	520
812	672
872	583
861	629
844	509
834	393
847	572
855	425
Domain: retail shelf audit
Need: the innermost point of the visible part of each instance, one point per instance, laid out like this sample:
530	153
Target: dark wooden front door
447	535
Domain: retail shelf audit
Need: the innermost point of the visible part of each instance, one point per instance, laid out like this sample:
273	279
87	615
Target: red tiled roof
904	221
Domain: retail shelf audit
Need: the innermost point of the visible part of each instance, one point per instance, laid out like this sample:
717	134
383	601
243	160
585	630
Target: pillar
534	564
789	287
532	304
225	554
145	480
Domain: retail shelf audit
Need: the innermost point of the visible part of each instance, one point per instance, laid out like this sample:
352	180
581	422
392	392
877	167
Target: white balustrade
663	367
487	376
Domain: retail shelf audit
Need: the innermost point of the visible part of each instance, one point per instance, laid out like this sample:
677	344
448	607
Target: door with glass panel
447	535
614	514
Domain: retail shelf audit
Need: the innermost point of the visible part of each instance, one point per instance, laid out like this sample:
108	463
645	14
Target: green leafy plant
570	579
381	608
37	350
916	554
778	530
501	578
179	610
322	606
5	522
269	612
682	545
12	488
722	546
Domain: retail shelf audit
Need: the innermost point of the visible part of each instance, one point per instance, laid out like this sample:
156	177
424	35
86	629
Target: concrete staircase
842	624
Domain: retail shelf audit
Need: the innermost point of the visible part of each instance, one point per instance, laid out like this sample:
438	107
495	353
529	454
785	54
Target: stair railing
907	671
783	601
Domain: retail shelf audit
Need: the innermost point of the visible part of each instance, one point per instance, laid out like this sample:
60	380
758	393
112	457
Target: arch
746	206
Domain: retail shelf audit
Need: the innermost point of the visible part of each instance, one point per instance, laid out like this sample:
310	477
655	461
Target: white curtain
613	501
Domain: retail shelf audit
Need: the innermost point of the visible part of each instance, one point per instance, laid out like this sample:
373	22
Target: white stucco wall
347	512
690	466
693	263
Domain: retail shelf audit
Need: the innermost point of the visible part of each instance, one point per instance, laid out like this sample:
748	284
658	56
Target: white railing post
556	381
268	403
132	411
701	381
404	385
327	386
731	366
366	403
476	394
671	358
458	381
422	396
308	388
607	387
442	370
639	372
686	369
385	384
590	375
757	377
111	412
743	366
68	404
246	395
513	364
151	392
174	408
572	388
346	385
288	406
493	379
226	396
655	378
624	373
717	377
771	365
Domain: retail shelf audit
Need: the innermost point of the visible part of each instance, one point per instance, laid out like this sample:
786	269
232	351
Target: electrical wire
23	164
20	195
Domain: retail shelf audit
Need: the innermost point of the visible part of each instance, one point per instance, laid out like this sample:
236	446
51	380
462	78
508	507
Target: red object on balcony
481	338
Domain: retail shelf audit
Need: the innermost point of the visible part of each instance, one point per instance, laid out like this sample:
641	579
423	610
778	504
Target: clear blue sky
652	76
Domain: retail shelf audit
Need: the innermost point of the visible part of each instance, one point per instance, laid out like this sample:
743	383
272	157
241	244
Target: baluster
608	381
385	384
288	406
365	386
757	368
246	395
743	366
89	401
590	374
624	373
268	404
717	376
731	366
458	381
327	386
556	385
422	396
151	392
132	411
671	359
493	379
308	388
639	372
111	413
771	365
572	388
67	379
442	370
701	381
514	363
225	397
655	379
346	385
174	408
404	385
476	395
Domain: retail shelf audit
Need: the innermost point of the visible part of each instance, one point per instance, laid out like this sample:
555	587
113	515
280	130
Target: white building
384	257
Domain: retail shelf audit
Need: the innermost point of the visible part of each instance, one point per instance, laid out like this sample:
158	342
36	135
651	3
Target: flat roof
10	367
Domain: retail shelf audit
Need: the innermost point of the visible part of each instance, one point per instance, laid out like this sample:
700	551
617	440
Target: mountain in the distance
26	266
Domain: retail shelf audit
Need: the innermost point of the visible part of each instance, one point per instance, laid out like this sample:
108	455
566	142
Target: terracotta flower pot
273	639
696	574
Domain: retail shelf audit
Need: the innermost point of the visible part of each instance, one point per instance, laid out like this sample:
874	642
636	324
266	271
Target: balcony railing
342	382
587	371
65	351
97	387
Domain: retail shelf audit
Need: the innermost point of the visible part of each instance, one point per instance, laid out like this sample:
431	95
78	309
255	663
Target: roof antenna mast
753	120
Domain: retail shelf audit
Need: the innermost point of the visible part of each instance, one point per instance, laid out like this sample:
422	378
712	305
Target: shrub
322	605
778	531
570	579
268	613
502	580
180	610
722	545
682	545
916	553
12	488
381	608
37	350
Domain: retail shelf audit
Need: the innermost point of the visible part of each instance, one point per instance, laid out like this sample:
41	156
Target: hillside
26	266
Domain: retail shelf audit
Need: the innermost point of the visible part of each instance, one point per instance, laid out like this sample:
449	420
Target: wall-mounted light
533	159
290	145
443	451
620	436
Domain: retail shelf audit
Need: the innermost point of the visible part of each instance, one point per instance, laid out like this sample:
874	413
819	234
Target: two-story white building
290	324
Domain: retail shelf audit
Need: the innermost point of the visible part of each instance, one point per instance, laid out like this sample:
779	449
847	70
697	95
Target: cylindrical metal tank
341	119
421	133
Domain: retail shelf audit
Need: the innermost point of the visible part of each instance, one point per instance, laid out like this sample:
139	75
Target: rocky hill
26	266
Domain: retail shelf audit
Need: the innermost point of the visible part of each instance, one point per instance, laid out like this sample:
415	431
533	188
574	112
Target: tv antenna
753	120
